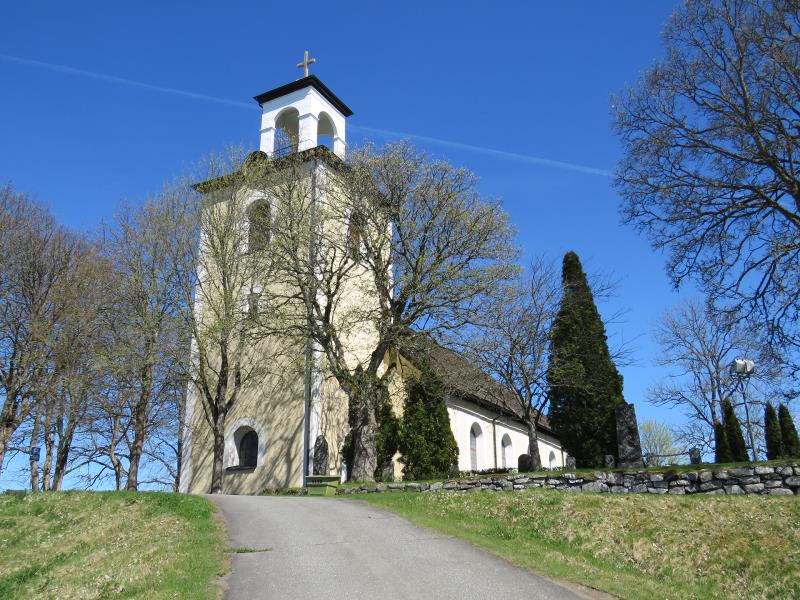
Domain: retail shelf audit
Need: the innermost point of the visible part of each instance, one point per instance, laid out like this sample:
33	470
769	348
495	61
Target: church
272	430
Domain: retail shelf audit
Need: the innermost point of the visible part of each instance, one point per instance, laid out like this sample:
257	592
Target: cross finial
306	61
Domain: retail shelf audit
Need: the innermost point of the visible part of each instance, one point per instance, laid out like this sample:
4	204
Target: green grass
82	545
635	546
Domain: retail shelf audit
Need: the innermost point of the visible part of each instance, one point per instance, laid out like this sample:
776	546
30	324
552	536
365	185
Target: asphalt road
309	548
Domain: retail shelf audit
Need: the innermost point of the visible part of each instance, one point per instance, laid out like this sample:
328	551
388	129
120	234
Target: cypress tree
772	433
789	442
584	383
733	432
426	441
722	451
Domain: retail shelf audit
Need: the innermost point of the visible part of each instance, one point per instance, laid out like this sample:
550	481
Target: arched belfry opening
287	132
326	131
302	115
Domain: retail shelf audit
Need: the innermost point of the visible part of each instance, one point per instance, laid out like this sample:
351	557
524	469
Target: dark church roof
466	380
310	81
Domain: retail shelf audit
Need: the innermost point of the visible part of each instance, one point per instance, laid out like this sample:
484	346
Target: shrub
426	441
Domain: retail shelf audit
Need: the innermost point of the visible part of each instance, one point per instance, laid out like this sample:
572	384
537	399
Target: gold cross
306	61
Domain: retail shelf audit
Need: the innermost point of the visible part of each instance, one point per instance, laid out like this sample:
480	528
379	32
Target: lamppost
741	369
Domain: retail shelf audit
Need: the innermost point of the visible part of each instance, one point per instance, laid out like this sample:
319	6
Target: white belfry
295	116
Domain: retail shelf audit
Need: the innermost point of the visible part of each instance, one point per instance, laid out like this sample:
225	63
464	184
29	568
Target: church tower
289	425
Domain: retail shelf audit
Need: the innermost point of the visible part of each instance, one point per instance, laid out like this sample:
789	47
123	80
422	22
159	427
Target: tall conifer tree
733	432
584	383
789	442
772	433
722	451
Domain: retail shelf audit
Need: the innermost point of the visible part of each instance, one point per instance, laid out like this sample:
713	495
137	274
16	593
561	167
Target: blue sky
105	101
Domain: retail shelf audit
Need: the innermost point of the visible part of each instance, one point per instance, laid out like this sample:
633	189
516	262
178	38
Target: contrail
123	81
546	162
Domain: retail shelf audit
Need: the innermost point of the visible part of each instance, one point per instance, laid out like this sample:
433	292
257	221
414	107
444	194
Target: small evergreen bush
426	442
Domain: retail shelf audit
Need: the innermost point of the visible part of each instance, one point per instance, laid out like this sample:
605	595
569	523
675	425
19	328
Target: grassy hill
636	546
80	545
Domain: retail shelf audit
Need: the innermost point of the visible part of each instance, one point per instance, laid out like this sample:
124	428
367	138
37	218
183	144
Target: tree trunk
179	451
62	455
47	437
140	413
364	426
218	471
116	464
749	427
365	457
37	424
3	444
533	447
139	432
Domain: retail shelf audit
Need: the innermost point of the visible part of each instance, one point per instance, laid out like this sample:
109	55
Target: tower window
355	234
259	217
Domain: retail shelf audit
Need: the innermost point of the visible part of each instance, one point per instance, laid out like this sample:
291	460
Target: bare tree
512	341
36	257
77	343
711	144
657	446
148	348
698	344
378	250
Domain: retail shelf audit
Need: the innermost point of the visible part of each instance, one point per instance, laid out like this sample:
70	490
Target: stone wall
773	480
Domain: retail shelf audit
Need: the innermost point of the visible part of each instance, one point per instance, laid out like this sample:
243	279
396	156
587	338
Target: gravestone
387	472
694	456
629	447
610	461
321	456
524	463
569	462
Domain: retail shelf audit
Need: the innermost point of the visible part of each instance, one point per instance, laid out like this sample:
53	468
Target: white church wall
464	415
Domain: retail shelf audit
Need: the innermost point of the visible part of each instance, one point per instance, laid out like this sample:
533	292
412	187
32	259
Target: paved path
335	548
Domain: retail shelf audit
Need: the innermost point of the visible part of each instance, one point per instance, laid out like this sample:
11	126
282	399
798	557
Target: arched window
355	233
248	449
259	223
552	460
475	440
506	451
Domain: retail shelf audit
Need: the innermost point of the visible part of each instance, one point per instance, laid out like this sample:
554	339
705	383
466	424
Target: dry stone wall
773	480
